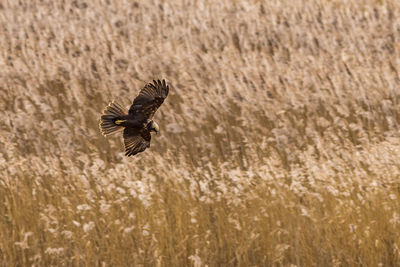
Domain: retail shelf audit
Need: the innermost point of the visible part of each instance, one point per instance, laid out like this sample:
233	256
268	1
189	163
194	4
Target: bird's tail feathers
111	114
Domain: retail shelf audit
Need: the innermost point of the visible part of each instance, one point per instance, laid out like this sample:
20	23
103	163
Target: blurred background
278	144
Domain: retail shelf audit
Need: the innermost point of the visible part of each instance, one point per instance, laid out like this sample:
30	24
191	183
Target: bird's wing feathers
136	140
149	100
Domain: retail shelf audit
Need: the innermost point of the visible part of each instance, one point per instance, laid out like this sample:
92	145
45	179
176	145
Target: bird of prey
137	123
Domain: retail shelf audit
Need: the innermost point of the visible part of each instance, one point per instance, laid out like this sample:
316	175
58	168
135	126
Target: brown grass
279	141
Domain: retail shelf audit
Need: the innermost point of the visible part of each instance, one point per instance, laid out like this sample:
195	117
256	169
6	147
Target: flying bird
137	123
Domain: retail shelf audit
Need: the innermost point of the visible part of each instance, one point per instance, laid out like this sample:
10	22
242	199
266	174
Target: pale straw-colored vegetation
279	142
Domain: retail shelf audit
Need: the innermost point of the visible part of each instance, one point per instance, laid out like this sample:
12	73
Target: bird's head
154	127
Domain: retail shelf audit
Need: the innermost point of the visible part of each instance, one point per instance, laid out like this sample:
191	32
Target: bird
137	124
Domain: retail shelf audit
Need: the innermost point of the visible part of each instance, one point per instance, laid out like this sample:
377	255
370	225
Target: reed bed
279	141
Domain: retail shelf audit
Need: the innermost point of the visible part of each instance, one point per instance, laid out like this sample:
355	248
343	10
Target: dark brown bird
137	123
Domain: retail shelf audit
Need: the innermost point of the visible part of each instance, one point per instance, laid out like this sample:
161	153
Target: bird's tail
111	114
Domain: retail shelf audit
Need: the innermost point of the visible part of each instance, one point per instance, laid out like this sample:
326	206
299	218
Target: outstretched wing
149	100
136	140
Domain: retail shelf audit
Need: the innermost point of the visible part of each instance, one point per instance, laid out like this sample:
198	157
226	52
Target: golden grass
279	141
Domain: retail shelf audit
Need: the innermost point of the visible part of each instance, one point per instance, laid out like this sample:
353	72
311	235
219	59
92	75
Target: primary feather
149	100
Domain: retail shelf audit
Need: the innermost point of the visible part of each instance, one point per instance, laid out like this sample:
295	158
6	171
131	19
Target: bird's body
130	121
137	123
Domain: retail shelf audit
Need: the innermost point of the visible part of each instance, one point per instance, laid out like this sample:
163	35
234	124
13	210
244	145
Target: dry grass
279	141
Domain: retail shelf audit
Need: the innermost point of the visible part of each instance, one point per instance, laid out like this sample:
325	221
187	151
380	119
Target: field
279	141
